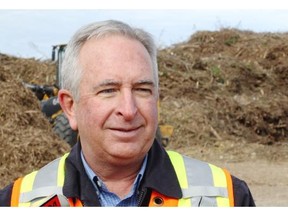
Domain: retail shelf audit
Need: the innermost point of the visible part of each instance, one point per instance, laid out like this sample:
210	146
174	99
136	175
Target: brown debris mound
224	92
26	141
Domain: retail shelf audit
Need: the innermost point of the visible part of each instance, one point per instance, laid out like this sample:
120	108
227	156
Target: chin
128	151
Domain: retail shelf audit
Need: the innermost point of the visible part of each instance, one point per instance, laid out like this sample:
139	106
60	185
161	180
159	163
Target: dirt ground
224	92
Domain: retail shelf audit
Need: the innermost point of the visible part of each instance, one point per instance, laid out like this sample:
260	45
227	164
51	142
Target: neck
118	177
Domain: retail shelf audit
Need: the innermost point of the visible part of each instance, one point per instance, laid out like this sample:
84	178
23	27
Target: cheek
150	111
92	113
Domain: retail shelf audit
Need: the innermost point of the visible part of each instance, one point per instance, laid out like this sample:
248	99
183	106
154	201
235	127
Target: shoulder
201	169
242	193
5	195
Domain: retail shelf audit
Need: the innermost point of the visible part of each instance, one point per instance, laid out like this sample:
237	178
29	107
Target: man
109	93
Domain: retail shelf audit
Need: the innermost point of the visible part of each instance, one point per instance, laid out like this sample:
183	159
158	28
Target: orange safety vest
202	184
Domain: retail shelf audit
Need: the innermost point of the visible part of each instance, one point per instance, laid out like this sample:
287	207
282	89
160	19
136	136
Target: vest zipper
141	195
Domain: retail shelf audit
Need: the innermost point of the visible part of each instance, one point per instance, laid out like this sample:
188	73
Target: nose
127	106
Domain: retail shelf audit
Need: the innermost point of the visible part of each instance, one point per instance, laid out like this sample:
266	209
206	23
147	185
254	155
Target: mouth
126	132
131	129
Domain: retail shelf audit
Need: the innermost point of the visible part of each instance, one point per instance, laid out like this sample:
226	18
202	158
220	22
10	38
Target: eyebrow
145	82
110	82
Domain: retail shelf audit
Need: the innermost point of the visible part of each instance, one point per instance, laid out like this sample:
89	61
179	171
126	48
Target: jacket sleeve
5	195
242	193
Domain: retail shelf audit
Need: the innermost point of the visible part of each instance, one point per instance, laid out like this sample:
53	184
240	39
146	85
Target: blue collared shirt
108	198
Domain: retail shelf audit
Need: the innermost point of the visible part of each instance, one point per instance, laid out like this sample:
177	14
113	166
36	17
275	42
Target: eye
144	87
107	91
144	90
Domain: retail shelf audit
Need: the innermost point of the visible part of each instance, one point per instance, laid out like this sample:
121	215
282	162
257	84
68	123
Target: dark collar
159	175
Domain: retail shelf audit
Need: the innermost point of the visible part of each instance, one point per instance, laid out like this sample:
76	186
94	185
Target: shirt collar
92	175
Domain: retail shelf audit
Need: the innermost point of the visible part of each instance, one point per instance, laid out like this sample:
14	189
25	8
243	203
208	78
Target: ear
67	104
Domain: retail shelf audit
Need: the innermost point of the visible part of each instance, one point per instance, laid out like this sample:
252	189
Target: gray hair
71	72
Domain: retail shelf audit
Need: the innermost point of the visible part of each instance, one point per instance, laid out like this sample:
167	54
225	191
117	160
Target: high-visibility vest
202	184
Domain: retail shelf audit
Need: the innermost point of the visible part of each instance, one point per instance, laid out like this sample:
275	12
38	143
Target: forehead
115	55
109	44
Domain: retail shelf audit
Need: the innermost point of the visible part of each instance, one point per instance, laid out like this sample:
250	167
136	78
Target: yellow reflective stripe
178	163
219	179
27	182
184	202
27	185
179	166
61	171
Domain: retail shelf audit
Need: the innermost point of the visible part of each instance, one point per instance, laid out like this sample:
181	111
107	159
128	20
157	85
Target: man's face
116	115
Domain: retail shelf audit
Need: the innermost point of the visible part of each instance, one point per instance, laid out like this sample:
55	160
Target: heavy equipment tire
62	128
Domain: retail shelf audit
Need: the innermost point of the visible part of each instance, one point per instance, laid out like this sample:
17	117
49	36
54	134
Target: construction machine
50	106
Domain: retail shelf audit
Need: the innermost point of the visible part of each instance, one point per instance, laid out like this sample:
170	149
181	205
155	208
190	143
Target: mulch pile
27	141
224	92
227	89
